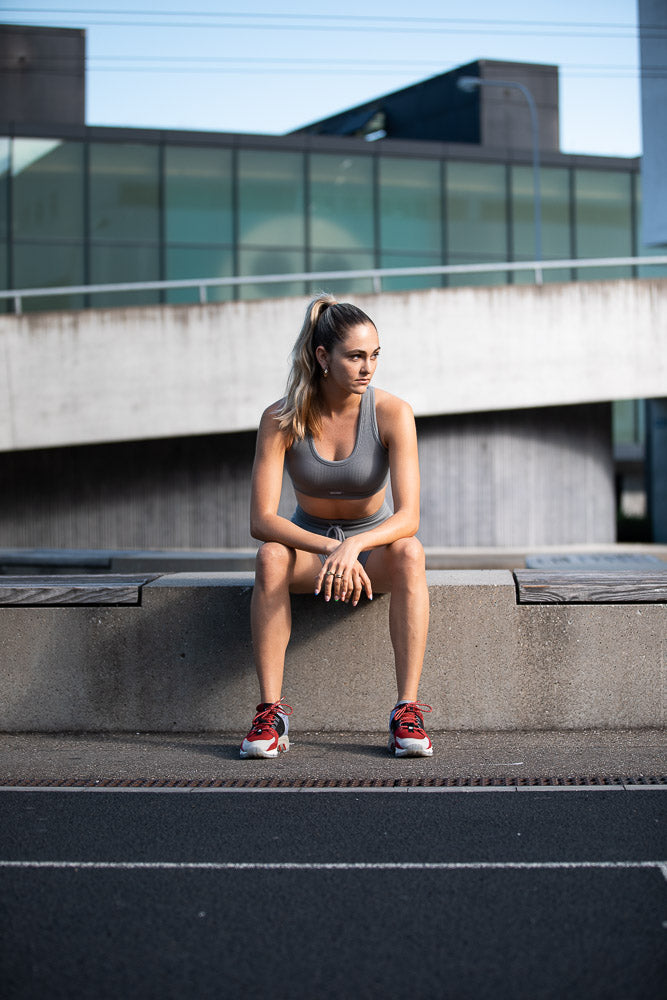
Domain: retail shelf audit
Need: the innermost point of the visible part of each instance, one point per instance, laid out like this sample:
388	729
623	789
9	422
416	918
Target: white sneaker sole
415	748
258	748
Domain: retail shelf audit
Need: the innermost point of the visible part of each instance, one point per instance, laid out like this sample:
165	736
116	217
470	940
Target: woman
340	441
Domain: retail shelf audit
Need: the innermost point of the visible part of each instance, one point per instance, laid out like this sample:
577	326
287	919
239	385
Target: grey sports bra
361	474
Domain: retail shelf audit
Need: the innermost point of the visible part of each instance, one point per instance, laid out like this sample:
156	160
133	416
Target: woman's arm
267	476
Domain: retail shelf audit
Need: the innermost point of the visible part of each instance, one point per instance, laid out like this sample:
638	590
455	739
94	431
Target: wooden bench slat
591	587
98	588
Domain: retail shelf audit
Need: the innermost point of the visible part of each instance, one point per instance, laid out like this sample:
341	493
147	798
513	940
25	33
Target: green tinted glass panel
109	264
267	261
38	265
199	262
47	189
603	219
399	284
476	212
271	199
4	177
348	260
198	195
124	200
341	202
555	218
476	216
628	422
646	270
410	205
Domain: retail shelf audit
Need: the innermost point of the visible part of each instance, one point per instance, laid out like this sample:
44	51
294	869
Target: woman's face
353	361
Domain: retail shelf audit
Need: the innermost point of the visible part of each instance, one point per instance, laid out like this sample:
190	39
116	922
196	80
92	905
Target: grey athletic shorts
341	529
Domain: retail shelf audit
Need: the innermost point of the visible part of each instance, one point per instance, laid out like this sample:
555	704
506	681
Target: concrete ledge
182	661
45	561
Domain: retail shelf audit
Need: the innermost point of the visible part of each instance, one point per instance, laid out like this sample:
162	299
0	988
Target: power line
358	22
273	15
271	64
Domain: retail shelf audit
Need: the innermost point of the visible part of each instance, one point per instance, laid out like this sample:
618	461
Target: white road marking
317	866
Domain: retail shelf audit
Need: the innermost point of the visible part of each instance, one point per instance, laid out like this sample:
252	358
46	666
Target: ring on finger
339	576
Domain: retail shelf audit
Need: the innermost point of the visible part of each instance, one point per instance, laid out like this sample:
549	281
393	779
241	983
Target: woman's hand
342	576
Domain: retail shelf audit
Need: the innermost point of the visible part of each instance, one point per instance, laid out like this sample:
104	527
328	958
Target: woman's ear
322	357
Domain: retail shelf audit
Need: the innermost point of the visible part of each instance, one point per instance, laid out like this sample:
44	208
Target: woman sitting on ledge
340	440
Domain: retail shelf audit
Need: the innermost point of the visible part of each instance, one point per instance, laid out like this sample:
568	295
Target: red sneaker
268	735
407	736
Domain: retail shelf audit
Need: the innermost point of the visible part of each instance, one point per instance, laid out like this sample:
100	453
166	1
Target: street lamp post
470	83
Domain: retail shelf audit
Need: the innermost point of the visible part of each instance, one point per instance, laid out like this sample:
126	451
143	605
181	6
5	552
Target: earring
325	372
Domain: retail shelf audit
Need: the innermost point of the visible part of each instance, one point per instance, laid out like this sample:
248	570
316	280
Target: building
82	205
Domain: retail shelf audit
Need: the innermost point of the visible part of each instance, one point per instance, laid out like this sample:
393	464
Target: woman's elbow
413	526
257	531
410	524
257	527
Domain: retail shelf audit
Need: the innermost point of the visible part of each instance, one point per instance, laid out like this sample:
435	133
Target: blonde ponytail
325	324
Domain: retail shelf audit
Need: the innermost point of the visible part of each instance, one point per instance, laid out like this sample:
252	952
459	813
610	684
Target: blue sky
262	66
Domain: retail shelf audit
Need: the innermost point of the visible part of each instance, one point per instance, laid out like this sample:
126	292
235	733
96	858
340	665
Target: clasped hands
342	576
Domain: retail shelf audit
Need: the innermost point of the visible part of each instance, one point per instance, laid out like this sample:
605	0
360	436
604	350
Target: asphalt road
310	895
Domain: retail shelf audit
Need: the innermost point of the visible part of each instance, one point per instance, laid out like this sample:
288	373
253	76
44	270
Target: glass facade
555	228
603	219
47	218
76	212
477	219
198	219
411	219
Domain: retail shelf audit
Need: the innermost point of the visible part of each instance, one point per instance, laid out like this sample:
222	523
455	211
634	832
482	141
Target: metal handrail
376	274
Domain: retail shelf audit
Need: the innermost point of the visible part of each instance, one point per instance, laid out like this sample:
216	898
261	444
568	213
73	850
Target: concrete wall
182	661
524	477
175	371
505	115
43	79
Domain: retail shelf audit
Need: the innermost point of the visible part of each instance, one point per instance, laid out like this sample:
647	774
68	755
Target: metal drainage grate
595	780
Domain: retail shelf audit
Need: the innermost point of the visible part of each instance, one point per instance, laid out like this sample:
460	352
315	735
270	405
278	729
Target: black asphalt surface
315	933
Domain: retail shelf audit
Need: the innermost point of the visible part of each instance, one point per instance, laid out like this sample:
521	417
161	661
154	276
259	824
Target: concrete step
181	660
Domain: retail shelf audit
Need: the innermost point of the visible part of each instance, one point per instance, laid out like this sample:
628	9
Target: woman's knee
273	563
406	557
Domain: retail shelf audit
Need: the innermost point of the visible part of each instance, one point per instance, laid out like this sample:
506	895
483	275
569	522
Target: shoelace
411	712
267	717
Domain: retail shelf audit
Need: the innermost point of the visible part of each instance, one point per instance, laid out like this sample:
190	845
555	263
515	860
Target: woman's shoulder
272	413
394	417
390	406
269	425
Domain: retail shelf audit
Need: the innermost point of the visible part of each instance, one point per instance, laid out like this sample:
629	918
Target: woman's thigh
404	557
305	571
277	564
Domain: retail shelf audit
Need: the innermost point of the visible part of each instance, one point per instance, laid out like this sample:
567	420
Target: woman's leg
279	570
400	568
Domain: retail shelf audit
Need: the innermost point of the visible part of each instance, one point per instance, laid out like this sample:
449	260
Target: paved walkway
333	757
